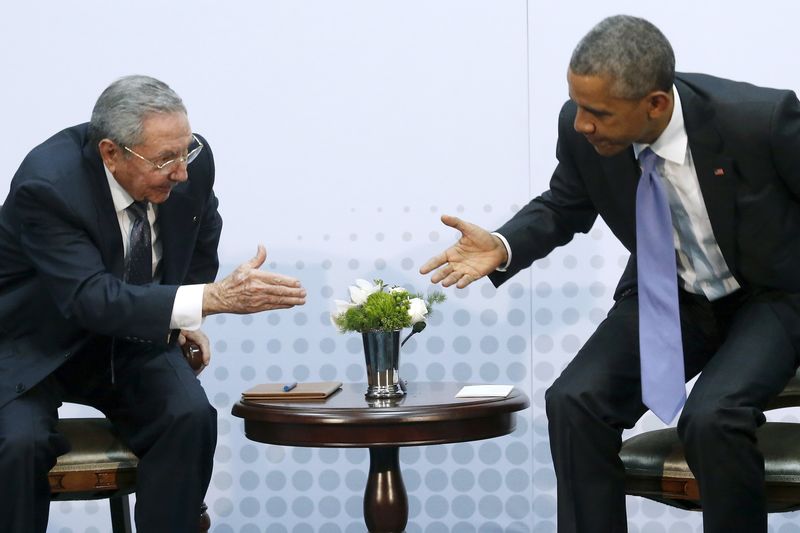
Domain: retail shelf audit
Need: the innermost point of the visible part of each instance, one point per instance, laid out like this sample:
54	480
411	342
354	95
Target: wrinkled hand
189	339
476	254
250	290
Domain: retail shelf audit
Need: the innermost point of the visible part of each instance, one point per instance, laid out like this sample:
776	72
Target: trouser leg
29	446
588	406
719	422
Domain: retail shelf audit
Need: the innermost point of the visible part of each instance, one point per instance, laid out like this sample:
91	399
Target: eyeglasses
167	167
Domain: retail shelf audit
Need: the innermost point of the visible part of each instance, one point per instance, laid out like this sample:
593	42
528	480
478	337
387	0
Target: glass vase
382	354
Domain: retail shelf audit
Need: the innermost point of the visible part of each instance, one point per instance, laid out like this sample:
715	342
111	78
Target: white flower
360	292
397	289
341	308
417	310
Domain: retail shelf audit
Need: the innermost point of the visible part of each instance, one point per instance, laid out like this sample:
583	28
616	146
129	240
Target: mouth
162	192
604	147
596	142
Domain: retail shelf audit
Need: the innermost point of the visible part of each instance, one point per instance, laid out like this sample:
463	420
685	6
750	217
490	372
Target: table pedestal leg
385	500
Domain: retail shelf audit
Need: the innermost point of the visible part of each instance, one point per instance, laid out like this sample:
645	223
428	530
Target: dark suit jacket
745	142
61	259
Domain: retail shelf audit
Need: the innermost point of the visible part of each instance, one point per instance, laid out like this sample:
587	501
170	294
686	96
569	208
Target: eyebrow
172	153
594	111
590	109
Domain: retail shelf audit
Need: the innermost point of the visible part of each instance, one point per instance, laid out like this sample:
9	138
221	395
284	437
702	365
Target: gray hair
124	105
631	51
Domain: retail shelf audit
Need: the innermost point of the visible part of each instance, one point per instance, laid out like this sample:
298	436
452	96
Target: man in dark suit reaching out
718	202
108	253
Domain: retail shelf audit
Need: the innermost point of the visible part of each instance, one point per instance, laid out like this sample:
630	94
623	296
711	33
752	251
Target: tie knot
648	159
138	209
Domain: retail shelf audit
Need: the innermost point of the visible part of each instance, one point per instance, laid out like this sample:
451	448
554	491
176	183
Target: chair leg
205	520
120	514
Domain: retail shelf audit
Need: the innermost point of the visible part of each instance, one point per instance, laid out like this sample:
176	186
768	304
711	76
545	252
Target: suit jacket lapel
715	171
176	228
107	223
622	177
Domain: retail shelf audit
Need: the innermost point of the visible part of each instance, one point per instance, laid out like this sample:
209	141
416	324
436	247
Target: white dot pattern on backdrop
523	333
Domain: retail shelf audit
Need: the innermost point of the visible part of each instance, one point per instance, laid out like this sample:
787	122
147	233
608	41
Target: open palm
476	254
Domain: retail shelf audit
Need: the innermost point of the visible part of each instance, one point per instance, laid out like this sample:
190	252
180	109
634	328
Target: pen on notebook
289	386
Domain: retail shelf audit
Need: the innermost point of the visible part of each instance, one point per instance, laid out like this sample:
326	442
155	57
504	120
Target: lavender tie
660	347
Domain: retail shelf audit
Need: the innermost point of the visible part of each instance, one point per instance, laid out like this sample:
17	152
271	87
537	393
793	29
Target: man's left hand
199	339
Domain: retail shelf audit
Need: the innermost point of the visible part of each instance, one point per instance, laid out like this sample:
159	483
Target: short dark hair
631	51
121	109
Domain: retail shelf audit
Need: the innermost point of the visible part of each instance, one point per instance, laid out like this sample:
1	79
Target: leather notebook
311	390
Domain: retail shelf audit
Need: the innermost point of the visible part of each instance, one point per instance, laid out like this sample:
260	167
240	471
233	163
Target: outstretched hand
251	290
476	254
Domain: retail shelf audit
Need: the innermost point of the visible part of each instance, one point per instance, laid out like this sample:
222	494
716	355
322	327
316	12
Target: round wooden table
429	414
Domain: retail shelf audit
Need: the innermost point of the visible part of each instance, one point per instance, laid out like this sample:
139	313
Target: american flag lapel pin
719	171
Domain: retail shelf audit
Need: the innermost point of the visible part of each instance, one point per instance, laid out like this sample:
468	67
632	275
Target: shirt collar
671	145
122	200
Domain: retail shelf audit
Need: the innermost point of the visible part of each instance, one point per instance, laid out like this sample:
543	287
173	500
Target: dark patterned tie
660	346
139	266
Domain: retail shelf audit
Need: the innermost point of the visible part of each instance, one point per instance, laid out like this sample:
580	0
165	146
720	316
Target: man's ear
659	103
109	152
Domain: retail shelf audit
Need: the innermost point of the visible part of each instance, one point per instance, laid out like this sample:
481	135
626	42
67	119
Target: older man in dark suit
108	253
712	286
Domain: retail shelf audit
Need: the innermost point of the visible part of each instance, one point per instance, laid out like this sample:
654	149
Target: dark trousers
745	349
160	410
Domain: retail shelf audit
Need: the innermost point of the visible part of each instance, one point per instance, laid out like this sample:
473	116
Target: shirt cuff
187	311
508	251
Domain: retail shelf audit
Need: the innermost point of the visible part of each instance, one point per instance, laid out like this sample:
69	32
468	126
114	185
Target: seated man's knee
563	397
35	450
703	424
195	416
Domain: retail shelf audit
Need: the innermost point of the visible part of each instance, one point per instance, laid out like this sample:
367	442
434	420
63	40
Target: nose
181	173
583	124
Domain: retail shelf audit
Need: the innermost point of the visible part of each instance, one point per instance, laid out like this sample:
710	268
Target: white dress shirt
701	267
187	310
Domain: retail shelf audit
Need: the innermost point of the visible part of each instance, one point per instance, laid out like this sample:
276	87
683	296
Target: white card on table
484	391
